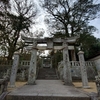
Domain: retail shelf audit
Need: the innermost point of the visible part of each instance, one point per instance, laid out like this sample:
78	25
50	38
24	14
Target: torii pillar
83	70
67	70
33	62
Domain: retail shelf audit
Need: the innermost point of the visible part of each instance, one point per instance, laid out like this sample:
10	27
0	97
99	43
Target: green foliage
25	56
56	57
89	44
94	49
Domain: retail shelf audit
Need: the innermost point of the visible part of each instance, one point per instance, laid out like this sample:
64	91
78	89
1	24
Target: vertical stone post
32	68
83	69
23	75
14	70
97	81
8	72
67	70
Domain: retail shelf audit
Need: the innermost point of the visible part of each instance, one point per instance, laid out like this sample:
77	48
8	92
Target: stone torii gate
52	43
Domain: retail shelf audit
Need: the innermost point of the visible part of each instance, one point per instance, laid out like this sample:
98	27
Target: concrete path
50	88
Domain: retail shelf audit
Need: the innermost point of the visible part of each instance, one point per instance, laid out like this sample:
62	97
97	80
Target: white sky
96	23
41	25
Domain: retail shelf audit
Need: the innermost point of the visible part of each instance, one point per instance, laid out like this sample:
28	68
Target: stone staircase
47	87
48	90
47	74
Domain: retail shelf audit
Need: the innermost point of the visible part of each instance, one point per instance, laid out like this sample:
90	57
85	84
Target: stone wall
22	71
97	63
76	73
76	70
5	67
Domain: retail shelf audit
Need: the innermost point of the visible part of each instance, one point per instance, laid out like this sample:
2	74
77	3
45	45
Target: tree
71	17
94	49
56	57
13	24
5	2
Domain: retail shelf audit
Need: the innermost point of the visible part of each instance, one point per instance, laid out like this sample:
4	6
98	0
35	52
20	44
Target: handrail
74	63
75	67
3	84
89	63
6	62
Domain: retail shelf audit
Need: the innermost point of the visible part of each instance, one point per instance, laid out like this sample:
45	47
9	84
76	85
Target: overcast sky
41	25
96	23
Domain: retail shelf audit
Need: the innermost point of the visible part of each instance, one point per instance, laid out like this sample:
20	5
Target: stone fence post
97	81
83	69
14	70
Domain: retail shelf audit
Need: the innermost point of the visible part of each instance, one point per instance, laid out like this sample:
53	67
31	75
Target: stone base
68	83
31	83
86	87
11	86
48	90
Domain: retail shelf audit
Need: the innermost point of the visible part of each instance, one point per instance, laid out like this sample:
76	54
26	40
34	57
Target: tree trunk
66	30
10	53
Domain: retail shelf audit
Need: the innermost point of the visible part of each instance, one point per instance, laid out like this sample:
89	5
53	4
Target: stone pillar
73	56
97	81
8	73
83	69
14	70
23	75
32	68
51	62
67	71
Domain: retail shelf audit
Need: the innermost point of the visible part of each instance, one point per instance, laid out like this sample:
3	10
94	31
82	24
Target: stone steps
47	73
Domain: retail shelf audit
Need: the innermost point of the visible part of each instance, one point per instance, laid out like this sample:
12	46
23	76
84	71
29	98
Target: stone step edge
25	97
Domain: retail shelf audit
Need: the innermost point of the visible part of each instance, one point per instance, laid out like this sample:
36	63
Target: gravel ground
91	84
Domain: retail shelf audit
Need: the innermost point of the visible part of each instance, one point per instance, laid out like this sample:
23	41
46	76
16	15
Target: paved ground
77	85
49	88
